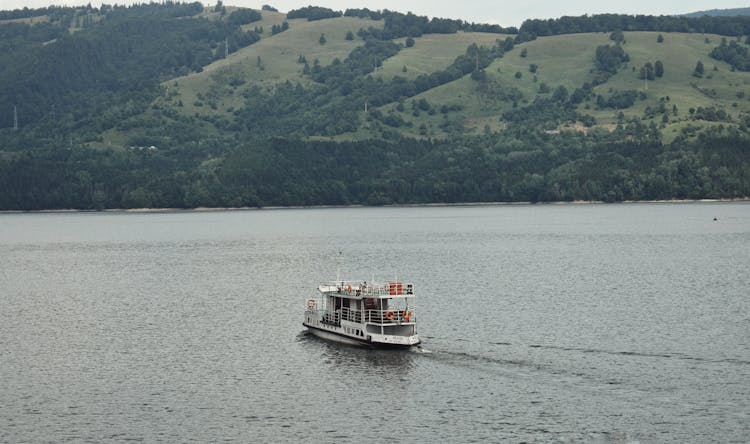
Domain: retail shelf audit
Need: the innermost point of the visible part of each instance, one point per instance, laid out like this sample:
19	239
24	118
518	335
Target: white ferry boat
362	313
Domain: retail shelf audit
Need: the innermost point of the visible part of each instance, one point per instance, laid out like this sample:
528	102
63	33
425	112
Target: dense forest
85	72
111	67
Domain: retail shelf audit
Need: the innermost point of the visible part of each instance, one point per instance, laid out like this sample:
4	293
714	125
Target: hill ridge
232	108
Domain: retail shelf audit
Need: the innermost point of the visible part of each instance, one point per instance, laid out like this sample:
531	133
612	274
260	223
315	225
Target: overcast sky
504	12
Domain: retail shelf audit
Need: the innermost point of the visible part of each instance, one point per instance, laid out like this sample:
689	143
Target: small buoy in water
716	218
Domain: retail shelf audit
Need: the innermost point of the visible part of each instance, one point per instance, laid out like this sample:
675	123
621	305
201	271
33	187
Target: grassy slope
430	53
433	52
278	60
278	54
569	59
562	60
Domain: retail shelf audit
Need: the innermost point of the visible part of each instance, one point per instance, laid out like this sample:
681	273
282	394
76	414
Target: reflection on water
358	358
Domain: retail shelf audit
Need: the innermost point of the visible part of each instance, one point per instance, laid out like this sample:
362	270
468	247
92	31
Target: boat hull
342	338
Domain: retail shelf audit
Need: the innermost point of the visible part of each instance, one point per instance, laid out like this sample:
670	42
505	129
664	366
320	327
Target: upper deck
372	290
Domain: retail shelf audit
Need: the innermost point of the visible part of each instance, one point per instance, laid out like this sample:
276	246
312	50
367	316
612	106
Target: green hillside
568	60
179	105
272	60
721	12
432	52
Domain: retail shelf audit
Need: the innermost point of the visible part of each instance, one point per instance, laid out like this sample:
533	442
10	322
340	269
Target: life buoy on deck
389	315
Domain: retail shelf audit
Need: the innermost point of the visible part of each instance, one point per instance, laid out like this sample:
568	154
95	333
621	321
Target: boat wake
523	362
681	356
419	349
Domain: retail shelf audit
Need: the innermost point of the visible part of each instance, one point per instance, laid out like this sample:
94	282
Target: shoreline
441	204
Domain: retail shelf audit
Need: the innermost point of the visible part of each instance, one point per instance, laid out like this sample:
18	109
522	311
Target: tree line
535	167
731	26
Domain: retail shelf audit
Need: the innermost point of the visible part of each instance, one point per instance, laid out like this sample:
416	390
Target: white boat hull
335	337
371	341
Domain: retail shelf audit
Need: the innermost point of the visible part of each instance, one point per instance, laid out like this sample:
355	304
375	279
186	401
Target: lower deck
357	333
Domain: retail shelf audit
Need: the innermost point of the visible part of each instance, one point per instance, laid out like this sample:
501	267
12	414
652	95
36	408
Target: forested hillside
179	105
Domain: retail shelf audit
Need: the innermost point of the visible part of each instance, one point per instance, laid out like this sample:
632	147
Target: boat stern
394	340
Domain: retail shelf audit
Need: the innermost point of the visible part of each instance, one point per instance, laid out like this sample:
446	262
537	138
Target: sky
503	12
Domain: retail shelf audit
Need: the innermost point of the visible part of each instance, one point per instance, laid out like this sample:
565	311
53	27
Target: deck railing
390	316
372	289
348	314
384	317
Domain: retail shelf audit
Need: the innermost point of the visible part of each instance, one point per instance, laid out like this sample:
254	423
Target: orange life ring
390	315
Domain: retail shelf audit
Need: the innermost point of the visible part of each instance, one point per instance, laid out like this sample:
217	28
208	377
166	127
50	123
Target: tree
269	8
518	74
610	58
524	52
659	68
698	72
578	96
479	75
617	37
349	35
660	39
647	71
312	13
560	94
243	17
409	42
533	68
322	39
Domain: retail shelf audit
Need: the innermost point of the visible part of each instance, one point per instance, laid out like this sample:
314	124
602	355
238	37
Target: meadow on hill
181	105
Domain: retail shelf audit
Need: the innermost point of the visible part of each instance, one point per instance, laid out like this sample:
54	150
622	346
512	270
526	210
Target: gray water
601	323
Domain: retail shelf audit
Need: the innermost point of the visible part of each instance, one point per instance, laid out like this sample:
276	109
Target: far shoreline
318	207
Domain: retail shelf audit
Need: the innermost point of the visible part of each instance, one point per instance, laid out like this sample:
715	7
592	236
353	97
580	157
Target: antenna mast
338	267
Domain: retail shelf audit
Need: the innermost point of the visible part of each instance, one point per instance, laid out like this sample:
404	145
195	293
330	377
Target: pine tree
659	68
698	72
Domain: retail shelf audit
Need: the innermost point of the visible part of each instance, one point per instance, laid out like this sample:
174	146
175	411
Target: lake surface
603	323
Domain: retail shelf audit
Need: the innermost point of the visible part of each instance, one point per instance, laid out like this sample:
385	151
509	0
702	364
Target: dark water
608	323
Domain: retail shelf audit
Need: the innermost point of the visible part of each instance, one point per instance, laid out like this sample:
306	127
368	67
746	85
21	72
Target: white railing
390	316
372	316
362	288
347	314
